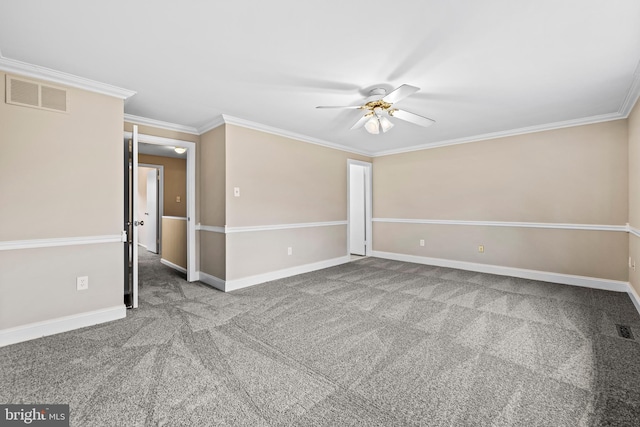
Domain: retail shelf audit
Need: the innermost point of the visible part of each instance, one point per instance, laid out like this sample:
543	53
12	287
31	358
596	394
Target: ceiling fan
380	105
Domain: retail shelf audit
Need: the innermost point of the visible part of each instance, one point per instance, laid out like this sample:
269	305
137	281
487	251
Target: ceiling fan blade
348	106
411	117
360	122
400	93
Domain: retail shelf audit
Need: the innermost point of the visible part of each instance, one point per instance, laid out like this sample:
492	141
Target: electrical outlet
421	242
236	191
289	250
82	283
481	249
178	200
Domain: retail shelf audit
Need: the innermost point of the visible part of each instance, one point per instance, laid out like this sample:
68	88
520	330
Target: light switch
177	199
236	191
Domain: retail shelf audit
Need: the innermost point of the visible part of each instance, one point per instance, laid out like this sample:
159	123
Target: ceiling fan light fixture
179	150
385	123
372	125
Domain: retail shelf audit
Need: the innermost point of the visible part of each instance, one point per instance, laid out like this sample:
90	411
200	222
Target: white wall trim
160	140
633	231
287	134
506	133
545	276
283	226
252	228
159	124
180	218
632	95
635	298
232	285
594	227
172	265
63	241
13	66
61	324
212	281
211	228
211	124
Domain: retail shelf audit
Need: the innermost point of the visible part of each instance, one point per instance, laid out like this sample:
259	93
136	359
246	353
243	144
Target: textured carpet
372	343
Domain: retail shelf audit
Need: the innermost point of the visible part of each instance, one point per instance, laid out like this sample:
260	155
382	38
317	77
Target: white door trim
368	205
191	194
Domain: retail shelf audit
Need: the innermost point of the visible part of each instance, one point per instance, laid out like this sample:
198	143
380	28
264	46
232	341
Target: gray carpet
371	343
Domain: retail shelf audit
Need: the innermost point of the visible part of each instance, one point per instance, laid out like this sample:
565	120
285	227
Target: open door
131	220
151	213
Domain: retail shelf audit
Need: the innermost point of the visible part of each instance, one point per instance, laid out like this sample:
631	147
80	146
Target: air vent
624	331
33	94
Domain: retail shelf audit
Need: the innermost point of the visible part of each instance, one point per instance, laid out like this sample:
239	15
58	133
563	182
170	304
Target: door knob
137	223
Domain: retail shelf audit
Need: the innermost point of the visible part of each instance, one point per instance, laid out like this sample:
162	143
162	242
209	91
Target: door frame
368	196
160	199
192	274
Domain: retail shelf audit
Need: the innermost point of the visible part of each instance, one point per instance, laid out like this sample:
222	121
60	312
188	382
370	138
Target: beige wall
211	177
213	254
175	183
634	194
573	175
282	181
74	188
259	252
211	188
579	252
174	241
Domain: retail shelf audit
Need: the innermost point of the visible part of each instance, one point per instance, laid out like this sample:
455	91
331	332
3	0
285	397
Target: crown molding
211	124
160	124
287	134
503	134
42	73
632	95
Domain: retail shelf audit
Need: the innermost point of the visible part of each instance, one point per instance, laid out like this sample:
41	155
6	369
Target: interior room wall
174	241
175	183
212	207
283	181
74	189
577	175
634	196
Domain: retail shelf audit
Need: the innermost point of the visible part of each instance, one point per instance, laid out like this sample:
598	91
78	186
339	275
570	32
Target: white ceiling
483	66
160	150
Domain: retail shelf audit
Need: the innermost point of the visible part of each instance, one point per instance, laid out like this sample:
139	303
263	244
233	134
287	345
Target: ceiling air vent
33	94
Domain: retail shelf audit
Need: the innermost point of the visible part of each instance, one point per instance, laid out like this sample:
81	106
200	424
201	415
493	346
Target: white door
357	210
151	212
137	222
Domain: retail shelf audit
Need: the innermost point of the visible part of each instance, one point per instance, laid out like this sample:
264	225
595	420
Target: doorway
150	205
359	208
134	218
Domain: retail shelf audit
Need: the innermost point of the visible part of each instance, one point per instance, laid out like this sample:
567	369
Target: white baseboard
210	280
635	298
545	276
61	324
232	285
174	266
